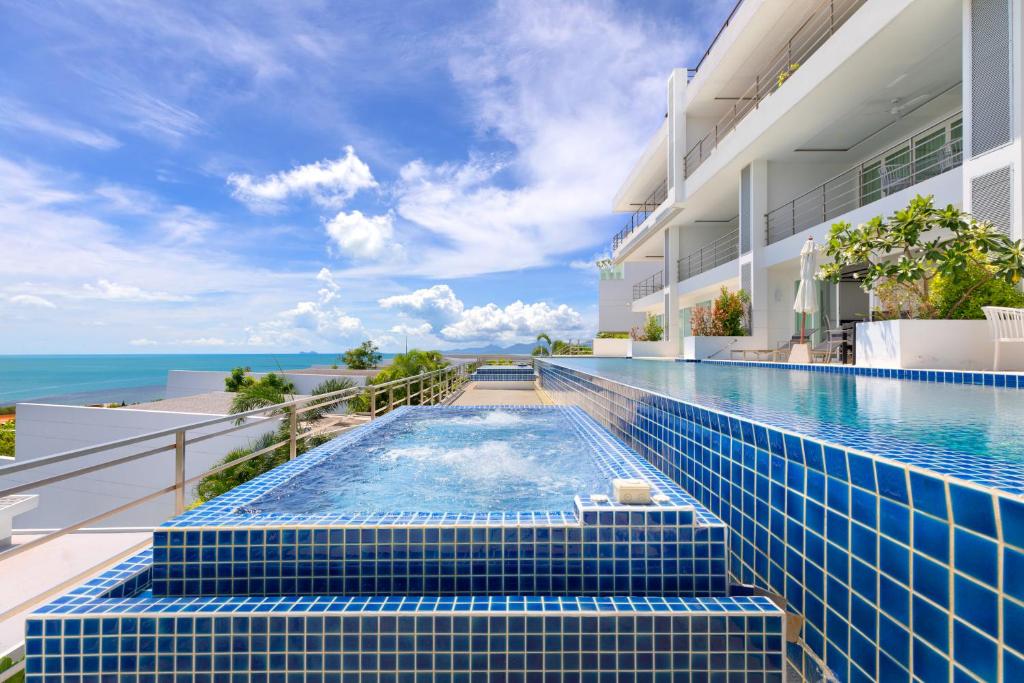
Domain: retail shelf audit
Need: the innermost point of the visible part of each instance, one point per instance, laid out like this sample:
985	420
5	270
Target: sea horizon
86	379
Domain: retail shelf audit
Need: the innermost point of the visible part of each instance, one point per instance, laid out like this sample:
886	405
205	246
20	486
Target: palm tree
269	390
544	345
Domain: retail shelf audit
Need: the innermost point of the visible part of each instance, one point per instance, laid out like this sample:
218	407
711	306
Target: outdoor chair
783	348
895	178
830	350
1006	326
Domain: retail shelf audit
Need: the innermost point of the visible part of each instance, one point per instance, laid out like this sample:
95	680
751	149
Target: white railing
428	388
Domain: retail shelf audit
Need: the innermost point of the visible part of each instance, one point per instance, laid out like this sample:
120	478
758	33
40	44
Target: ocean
84	380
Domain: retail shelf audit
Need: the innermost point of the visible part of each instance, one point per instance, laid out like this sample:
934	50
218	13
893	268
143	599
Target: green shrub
961	296
613	335
7	438
652	330
726	317
238	379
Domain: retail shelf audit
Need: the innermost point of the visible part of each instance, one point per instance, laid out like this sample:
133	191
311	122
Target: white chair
10	506
1006	325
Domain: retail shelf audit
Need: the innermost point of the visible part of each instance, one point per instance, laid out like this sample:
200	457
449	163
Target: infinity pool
482	460
883	416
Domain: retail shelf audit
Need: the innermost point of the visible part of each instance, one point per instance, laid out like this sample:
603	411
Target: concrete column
993	175
753	276
676	133
671	305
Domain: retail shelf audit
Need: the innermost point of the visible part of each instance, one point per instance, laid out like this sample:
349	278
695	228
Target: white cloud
439	308
16	116
204	341
31	300
420	330
363	236
185	224
290	326
142	341
112	291
437	305
328	183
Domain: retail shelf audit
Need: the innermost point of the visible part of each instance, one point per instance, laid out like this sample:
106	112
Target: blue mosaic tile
918	524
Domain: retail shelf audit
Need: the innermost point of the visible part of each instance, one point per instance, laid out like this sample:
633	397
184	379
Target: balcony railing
654	283
823	21
637	218
724	249
912	161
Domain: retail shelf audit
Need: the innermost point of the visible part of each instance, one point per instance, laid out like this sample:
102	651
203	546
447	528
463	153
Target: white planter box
658	349
928	344
619	348
718	348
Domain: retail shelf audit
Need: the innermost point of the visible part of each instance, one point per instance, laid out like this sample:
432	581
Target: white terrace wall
192	382
48	429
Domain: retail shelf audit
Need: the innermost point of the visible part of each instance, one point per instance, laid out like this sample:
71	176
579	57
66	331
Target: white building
807	112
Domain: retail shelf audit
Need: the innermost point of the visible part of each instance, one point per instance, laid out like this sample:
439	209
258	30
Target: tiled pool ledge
675	547
110	628
1007	380
899	568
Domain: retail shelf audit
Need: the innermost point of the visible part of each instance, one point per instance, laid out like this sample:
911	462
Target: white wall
48	429
192	382
615	298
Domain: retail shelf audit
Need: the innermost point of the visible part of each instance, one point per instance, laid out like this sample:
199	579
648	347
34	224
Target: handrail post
408	391
293	428
179	471
373	402
391	398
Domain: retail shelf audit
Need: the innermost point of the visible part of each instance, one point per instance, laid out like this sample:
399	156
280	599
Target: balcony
925	155
821	23
722	250
651	285
637	218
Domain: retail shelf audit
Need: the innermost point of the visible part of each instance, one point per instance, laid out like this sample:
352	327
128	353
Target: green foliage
961	297
784	75
918	244
237	379
362	357
7	438
413	362
546	346
613	335
5	664
327	387
726	317
543	347
7	410
652	330
267	391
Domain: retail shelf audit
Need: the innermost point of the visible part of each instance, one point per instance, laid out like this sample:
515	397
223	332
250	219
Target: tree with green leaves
237	379
413	362
363	357
7	438
916	246
215	484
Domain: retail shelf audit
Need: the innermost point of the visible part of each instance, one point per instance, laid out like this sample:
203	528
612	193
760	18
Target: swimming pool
950	426
471	460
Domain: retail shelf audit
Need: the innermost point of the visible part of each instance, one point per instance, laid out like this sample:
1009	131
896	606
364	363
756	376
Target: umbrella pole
803	325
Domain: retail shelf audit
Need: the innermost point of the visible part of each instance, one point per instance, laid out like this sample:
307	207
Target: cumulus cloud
142	341
31	300
363	236
440	309
329	183
112	291
316	318
420	330
436	305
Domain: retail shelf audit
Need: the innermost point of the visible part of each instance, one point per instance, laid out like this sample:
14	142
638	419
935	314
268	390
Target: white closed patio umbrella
807	293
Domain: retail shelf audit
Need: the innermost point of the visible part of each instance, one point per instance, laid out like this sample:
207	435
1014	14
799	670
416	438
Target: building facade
803	113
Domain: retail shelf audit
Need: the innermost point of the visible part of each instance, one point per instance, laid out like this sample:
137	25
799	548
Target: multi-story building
803	113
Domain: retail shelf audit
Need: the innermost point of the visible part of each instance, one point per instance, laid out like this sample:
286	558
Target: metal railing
654	283
821	23
637	218
901	166
427	388
722	250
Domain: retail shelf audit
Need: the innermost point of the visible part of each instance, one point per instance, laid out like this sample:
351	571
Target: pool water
476	460
883	416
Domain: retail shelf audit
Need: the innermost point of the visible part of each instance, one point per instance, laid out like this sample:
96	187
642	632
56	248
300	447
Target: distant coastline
131	378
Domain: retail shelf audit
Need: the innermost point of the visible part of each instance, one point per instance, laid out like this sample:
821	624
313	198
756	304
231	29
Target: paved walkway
475	396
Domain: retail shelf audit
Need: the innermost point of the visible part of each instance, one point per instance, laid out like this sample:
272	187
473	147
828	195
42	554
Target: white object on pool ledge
660	498
598	498
631	491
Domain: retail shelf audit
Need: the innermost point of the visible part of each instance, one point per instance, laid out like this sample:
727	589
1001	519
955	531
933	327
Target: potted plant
929	271
649	339
717	327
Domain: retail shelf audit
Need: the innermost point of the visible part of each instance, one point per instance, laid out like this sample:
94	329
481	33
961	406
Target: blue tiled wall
98	633
900	573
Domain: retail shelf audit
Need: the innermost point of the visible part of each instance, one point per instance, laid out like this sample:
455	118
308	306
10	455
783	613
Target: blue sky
232	177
